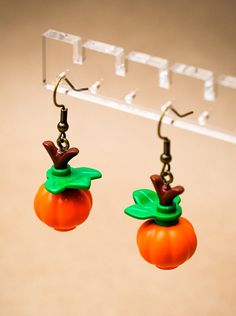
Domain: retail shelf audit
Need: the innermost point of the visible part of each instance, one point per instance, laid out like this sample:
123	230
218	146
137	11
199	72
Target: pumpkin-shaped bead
63	211
167	247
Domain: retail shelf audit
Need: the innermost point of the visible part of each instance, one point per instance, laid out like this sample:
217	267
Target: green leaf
89	172
145	197
140	212
148	206
70	178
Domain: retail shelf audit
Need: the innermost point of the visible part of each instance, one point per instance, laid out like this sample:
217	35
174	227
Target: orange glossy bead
167	246
63	211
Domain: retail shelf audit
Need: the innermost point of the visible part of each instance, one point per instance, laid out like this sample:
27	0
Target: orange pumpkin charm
63	211
64	201
166	246
166	239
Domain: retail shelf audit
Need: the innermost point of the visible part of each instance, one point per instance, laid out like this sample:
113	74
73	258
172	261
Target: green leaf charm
145	197
140	212
147	205
59	180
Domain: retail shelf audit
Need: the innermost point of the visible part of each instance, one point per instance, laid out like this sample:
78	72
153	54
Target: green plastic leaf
145	197
89	172
140	212
70	178
148	206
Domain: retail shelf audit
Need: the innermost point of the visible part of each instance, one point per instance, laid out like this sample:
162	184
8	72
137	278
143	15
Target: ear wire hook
169	107
62	76
63	126
166	158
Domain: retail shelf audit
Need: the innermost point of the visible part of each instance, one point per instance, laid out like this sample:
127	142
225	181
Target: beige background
96	269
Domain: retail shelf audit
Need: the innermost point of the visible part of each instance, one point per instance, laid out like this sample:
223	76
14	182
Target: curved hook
169	107
166	158
62	76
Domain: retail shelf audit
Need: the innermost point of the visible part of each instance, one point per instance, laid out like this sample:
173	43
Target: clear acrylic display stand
62	51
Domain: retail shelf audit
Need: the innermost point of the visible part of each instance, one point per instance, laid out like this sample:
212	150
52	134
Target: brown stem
165	193
59	159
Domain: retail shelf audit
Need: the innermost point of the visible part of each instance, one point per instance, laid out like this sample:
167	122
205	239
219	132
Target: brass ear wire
169	107
166	158
63	126
61	77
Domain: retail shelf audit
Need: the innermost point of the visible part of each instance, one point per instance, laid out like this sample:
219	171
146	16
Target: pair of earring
64	201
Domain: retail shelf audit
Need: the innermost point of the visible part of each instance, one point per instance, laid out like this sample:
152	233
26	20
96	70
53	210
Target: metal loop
166	175
63	142
166	167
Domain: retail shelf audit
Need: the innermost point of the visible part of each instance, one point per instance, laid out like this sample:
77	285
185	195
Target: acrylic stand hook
145	112
162	65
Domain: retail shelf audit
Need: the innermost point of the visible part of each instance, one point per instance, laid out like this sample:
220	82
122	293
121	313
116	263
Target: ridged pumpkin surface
166	246
63	211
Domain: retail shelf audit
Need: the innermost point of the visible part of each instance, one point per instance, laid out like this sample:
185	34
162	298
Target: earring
166	240
64	200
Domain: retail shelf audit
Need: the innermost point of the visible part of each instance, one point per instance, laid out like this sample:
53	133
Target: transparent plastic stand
55	57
